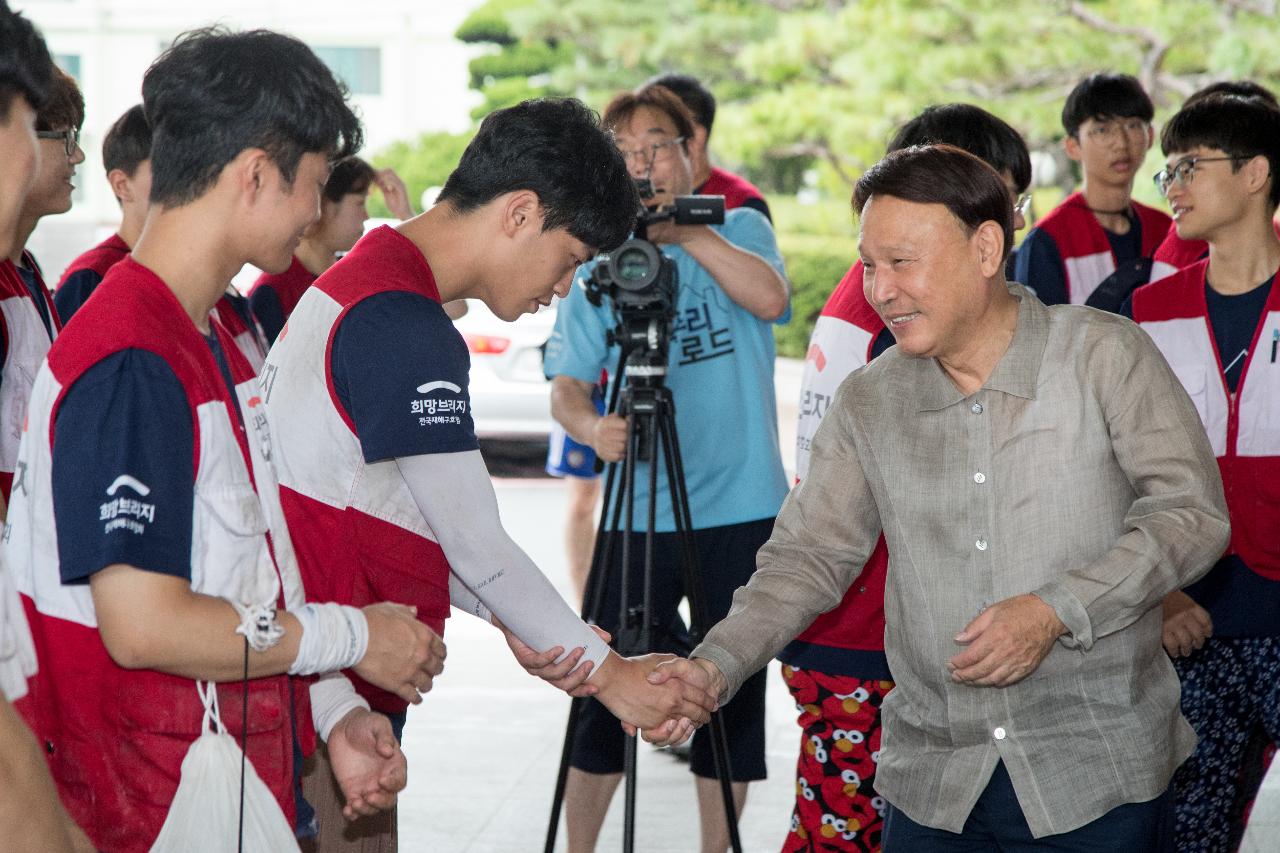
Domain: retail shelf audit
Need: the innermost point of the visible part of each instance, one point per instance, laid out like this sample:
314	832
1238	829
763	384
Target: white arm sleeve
484	559
465	600
332	698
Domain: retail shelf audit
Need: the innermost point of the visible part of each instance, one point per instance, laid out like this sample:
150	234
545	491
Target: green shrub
815	266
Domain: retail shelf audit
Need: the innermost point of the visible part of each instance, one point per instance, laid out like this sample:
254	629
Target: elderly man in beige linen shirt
1043	482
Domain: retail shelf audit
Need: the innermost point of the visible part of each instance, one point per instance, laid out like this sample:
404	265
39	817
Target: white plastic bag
205	814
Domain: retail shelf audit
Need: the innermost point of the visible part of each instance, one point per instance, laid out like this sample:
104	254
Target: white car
510	395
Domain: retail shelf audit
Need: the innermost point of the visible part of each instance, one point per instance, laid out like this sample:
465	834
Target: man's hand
609	437
404	656
566	675
1186	625
627	690
697	671
394	193
669	233
1006	642
367	763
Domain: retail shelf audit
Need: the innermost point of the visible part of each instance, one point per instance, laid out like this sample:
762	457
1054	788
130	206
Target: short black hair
128	142
1239	127
26	68
215	93
351	175
1105	96
941	174
555	148
971	129
696	97
64	106
1243	88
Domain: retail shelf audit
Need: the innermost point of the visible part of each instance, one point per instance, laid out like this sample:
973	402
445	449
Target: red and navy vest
100	258
1243	428
115	738
735	188
250	341
841	343
1086	254
26	341
288	285
359	535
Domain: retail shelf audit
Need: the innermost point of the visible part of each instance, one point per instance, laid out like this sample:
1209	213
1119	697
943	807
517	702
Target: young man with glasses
731	291
1217	323
1096	246
126	156
836	668
28	319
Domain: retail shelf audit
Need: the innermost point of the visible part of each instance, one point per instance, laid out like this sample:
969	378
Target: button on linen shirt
1101	496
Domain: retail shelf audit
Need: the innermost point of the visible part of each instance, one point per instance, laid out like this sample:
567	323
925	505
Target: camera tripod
650	411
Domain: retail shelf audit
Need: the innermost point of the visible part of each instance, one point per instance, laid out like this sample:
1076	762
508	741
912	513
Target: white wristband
332	698
334	637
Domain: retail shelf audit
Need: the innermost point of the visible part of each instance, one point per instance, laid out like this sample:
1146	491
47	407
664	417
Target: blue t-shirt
73	292
400	369
123	474
721	378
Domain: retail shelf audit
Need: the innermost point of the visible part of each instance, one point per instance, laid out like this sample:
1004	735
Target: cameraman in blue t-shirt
731	290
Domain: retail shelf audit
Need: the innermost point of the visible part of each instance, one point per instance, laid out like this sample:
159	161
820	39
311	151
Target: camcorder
641	283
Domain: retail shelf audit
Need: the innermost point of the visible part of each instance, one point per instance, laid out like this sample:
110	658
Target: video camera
642	283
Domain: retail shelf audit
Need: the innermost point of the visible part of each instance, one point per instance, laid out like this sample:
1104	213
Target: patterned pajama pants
1230	689
837	809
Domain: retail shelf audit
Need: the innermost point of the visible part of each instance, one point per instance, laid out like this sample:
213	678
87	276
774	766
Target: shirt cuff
728	666
1072	613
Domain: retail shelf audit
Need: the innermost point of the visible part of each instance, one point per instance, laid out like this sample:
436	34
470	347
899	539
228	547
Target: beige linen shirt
1080	471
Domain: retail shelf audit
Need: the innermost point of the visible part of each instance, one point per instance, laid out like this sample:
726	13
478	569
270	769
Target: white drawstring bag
205	814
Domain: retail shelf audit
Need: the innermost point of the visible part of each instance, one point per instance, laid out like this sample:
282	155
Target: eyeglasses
70	138
653	154
1022	205
1183	171
1108	130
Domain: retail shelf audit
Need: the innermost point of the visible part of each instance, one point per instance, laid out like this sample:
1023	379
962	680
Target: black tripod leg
697	603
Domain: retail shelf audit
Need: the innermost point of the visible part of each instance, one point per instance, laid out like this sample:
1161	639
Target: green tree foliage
421	163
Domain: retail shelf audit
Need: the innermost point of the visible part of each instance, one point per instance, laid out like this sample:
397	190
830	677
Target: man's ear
251	173
698	144
121	186
521	210
988	240
1072	146
1256	173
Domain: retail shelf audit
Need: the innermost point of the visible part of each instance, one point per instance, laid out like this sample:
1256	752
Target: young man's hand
404	656
609	437
567	675
394	193
1186	625
635	695
698	672
367	763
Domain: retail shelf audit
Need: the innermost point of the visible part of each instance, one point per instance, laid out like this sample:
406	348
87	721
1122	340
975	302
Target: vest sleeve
401	369
123	473
73	292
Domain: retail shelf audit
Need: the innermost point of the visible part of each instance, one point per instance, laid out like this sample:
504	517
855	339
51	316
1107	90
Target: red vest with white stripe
250	342
100	258
1086	254
288	285
1175	254
115	738
735	188
1244	428
841	343
359	535
26	341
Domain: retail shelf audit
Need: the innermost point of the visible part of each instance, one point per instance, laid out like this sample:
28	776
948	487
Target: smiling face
51	191
922	274
18	167
279	212
1216	195
1110	150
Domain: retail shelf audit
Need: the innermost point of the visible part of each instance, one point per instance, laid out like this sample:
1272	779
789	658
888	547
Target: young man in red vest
30	812
836	670
1217	323
28	320
126	155
1096	247
382	480
145	533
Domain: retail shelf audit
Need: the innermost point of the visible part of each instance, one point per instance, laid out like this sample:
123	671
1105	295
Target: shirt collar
1016	373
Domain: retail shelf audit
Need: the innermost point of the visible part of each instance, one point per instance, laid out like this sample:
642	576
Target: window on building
359	67
68	62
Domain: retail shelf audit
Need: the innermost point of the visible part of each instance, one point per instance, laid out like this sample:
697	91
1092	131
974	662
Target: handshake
661	696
